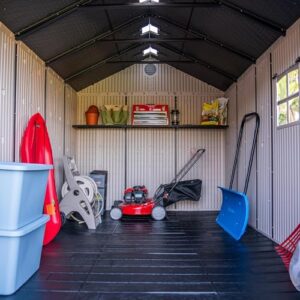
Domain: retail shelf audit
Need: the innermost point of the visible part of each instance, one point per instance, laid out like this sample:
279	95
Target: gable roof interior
85	41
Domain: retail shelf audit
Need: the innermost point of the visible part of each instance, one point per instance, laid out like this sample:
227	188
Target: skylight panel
143	1
150	51
150	29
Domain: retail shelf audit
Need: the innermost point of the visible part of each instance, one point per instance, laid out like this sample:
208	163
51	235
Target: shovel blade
234	213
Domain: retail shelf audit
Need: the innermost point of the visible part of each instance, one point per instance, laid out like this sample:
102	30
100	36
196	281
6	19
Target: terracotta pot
91	118
92	115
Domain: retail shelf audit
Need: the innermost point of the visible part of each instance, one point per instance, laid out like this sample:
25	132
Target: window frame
288	98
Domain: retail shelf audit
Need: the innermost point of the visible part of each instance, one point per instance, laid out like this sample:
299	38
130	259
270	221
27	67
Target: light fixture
150	29
150	51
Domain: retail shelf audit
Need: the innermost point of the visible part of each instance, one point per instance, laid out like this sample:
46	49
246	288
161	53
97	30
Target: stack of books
149	114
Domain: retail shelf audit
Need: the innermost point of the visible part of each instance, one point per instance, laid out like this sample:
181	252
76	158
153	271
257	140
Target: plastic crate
20	254
22	194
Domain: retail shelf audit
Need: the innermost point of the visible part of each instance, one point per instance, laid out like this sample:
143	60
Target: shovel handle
246	118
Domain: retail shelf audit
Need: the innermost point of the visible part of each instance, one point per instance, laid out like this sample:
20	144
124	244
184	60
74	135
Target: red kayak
36	148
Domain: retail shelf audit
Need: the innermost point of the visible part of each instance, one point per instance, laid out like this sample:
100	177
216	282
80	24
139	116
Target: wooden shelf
150	126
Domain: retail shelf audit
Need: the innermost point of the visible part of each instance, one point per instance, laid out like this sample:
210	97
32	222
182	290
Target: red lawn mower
136	202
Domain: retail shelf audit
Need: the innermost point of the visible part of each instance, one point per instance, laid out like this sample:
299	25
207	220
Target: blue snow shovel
234	213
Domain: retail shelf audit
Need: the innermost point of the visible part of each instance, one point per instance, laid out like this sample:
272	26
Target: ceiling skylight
142	1
150	51
150	29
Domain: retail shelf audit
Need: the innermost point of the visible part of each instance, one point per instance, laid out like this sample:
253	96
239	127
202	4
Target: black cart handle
246	118
186	168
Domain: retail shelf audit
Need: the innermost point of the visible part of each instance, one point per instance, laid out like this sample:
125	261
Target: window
287	88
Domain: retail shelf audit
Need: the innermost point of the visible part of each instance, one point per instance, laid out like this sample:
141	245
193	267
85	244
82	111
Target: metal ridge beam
145	62
51	17
97	38
101	62
207	39
254	16
154	5
200	62
152	40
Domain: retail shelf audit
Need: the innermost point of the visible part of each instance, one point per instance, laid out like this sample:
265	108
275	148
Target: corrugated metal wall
286	146
70	119
210	168
277	208
149	156
167	80
55	122
25	90
7	90
246	104
264	146
103	150
30	90
231	134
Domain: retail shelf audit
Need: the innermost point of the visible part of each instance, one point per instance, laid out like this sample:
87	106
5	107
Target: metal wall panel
167	79
286	50
30	90
103	150
55	122
150	153
210	168
70	119
246	104
286	146
231	133
264	146
7	84
150	157
84	101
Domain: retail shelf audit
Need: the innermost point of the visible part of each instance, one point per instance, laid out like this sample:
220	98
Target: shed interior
60	57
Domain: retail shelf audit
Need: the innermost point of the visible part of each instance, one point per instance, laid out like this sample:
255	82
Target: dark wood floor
185	257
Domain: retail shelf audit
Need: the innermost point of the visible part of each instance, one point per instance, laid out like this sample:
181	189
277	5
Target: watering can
234	213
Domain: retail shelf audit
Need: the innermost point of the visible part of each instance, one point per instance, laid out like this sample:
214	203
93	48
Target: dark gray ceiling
86	41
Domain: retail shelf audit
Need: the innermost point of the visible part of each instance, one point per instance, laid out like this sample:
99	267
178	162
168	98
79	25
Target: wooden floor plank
188	256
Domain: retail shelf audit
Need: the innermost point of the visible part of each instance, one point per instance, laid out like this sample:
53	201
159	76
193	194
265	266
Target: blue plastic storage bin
20	254
22	193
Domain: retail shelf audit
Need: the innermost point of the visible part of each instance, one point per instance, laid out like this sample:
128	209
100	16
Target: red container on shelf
150	114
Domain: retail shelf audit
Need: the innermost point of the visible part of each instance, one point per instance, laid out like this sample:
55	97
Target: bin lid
25	229
14	166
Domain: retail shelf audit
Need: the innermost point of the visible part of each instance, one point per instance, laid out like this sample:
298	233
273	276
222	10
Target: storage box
100	177
22	193
20	254
150	114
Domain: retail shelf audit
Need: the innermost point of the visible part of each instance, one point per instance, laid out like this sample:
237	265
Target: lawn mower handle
182	173
186	168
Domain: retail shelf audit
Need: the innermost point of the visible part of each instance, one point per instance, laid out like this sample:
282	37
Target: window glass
294	110
281	88
282	114
293	82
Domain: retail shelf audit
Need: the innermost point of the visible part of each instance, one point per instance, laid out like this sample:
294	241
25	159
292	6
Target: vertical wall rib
286	146
55	122
30	90
70	119
7	88
231	134
246	104
264	147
